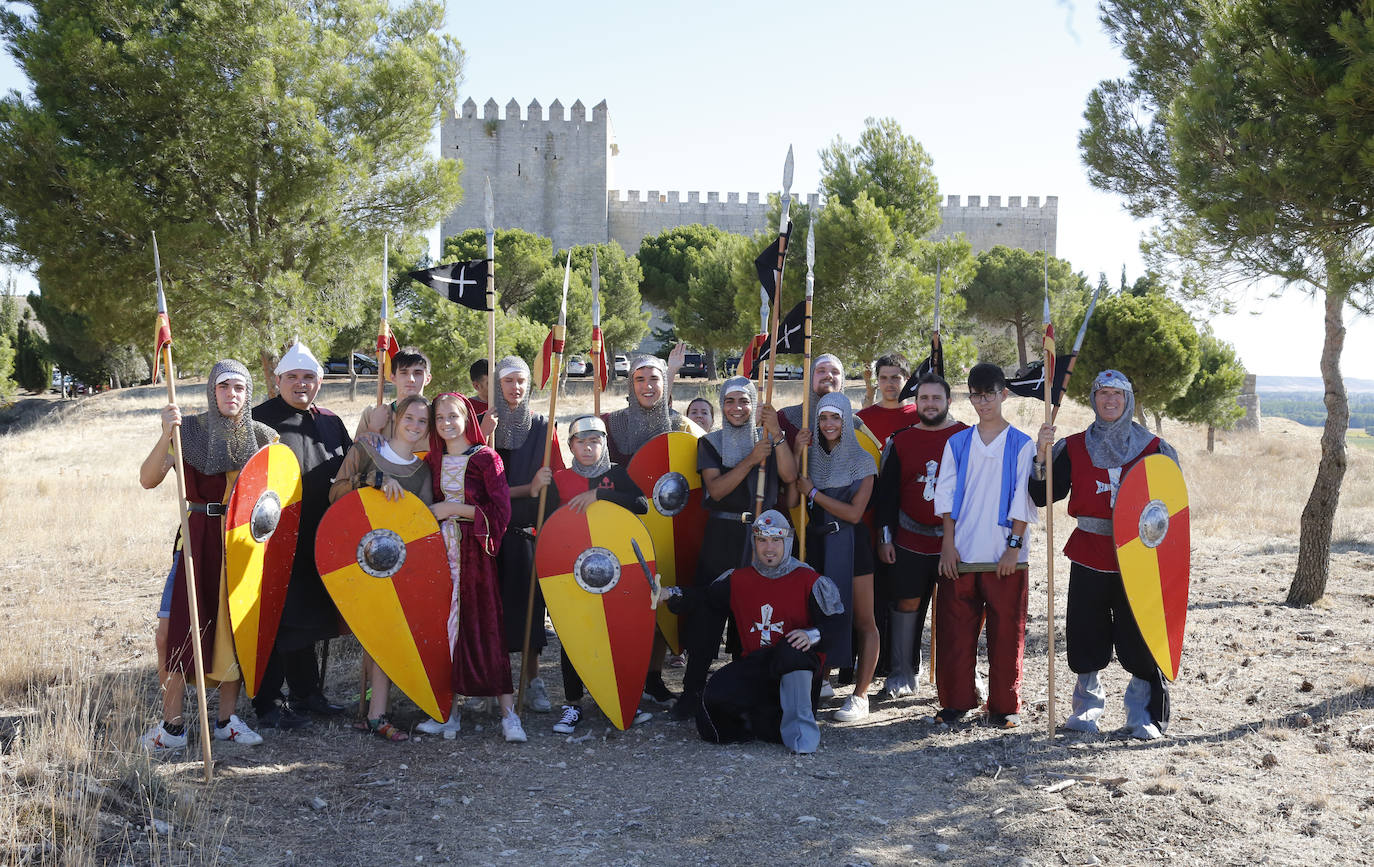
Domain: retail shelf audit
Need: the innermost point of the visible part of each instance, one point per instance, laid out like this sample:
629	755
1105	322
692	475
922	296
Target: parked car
729	366
693	364
621	366
787	371
364	364
578	367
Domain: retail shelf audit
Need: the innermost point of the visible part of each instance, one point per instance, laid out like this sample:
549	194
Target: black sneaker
317	703
950	716
685	708
567	724
282	717
656	690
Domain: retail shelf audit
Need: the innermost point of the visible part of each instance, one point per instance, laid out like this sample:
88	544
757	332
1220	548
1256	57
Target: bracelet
811	497
885	535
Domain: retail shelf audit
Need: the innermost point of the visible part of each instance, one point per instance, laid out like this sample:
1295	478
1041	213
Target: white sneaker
641	717
434	727
827	691
855	708
159	740
237	731
537	696
512	729
1147	732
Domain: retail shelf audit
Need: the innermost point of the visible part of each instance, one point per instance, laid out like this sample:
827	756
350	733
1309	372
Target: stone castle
554	175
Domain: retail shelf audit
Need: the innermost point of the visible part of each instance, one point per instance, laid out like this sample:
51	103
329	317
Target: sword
649	576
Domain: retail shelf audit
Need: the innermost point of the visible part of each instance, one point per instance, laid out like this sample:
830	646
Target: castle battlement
551	172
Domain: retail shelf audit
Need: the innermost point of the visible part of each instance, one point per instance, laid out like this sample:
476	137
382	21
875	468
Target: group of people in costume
942	515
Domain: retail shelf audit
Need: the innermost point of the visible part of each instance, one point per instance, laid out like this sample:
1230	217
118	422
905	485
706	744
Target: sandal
382	728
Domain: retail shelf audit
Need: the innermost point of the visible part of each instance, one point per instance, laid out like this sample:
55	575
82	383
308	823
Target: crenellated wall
552	174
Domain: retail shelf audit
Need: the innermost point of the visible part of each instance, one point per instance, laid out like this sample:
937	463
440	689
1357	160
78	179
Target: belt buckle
746	517
215	510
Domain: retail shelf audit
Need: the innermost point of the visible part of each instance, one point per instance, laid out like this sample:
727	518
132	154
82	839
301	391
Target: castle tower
548	176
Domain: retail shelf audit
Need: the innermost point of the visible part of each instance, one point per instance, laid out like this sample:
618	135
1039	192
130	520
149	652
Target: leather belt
1096	526
213	510
740	517
912	526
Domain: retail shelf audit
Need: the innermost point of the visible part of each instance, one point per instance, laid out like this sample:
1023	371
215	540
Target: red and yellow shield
260	530
385	565
1150	528
600	601
665	468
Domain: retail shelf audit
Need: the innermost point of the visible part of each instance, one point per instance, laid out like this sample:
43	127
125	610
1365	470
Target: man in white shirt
982	498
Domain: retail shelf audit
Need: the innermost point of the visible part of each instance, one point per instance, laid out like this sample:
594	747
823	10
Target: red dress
481	666
206	548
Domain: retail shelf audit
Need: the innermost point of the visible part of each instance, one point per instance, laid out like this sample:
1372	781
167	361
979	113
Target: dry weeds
1241	778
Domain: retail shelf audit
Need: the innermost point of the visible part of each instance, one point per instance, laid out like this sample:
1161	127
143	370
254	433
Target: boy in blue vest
983	500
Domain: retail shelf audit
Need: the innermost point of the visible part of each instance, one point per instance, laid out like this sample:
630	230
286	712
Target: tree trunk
352	377
1159	423
711	364
1140	415
1314	539
269	379
1021	344
1211	439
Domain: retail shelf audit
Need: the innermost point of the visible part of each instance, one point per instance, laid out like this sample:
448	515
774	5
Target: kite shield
600	601
386	567
260	530
1150	528
665	468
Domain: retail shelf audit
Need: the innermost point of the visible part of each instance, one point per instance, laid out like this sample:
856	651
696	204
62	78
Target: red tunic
766	609
206	548
1090	495
918	452
884	421
570	484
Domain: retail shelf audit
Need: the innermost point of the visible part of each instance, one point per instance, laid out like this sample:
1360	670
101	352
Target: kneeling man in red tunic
784	611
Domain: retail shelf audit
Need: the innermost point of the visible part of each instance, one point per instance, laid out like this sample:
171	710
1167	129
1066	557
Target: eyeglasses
983	396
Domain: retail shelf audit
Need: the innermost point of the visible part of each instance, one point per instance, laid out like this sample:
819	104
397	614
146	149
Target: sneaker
1147	732
237	731
512	729
159	740
685	707
537	697
434	727
642	716
281	716
855	708
827	691
677	661
567	724
950	716
656	690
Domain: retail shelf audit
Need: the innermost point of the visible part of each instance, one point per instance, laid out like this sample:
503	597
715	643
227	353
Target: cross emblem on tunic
765	627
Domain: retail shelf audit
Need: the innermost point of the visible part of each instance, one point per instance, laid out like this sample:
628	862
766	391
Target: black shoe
656	690
316	702
950	716
846	676
282	717
685	708
1004	720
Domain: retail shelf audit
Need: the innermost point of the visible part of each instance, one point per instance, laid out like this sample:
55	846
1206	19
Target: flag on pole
1030	380
553	343
463	283
746	361
386	342
164	334
790	338
599	351
767	264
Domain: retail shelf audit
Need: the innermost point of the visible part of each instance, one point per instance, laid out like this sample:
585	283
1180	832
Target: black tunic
319	440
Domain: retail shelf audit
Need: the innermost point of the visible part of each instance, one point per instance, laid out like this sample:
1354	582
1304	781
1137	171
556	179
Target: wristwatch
1014	541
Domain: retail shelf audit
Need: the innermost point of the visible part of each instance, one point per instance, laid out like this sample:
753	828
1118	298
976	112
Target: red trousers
960	606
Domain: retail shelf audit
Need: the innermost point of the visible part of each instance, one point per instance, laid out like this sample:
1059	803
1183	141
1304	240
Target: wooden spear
187	561
558	335
806	372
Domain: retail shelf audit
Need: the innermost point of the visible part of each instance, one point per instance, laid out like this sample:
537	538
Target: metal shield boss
1150	529
261	526
599	599
665	468
386	568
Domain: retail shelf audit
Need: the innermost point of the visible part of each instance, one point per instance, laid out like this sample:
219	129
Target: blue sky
708	95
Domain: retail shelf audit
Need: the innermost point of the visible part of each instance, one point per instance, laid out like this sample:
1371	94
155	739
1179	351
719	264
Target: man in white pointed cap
319	440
